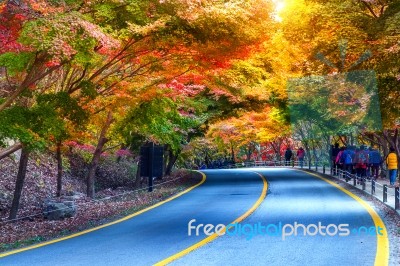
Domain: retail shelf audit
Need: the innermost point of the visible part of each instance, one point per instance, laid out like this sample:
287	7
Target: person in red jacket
361	161
300	156
339	159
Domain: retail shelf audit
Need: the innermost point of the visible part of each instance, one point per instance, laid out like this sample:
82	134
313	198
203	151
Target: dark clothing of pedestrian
375	162
288	156
334	153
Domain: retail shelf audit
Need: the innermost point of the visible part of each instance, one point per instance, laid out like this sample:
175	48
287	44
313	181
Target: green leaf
15	62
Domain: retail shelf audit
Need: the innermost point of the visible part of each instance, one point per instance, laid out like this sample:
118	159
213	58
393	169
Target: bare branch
10	150
368	6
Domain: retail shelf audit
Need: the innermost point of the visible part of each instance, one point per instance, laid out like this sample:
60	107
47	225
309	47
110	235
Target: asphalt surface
159	233
296	196
155	234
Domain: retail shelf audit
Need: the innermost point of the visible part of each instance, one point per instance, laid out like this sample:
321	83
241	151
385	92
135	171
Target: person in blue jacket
375	162
347	159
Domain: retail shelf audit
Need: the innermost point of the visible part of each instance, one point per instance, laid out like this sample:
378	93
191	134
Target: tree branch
10	150
369	8
29	80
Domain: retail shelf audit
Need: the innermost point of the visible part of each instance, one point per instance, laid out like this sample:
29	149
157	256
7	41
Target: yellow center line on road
107	224
382	243
215	235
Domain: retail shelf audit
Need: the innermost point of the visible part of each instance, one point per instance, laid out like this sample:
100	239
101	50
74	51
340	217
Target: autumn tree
35	128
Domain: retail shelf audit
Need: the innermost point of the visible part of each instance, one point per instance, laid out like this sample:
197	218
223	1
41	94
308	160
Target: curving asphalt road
296	196
159	233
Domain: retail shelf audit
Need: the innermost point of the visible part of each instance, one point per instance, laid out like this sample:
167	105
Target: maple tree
248	132
100	54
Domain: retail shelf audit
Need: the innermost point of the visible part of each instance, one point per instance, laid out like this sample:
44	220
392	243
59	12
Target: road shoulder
389	216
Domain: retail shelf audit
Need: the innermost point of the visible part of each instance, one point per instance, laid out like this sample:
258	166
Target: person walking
339	160
361	161
300	156
288	156
347	158
375	161
392	165
334	152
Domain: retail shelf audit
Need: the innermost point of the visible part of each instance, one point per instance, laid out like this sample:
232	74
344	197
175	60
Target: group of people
364	162
300	154
215	164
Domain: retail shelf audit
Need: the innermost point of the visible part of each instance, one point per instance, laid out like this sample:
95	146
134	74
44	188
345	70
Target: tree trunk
90	191
396	140
138	177
19	184
171	161
166	158
258	148
248	154
232	153
351	140
396	144
59	169
344	140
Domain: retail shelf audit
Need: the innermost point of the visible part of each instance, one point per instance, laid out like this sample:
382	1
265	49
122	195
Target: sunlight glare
279	6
